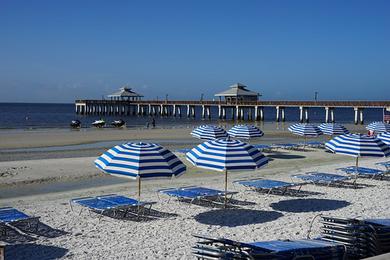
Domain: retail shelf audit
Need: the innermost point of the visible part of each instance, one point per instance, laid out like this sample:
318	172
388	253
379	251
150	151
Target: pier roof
124	92
236	90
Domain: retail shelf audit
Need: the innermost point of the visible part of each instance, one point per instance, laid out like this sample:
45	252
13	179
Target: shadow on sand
309	205
34	252
149	215
285	156
236	217
23	233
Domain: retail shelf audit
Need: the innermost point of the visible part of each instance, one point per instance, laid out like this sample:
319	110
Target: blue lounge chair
263	147
11	217
321	178
268	186
385	164
220	248
117	204
363	238
195	193
313	144
286	146
363	171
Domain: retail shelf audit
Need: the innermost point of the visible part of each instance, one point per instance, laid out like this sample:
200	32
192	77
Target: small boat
118	123
99	123
75	124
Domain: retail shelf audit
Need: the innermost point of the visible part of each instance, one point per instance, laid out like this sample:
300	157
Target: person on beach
153	122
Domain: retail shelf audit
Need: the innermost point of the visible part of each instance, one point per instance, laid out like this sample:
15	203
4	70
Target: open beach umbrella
378	127
226	155
333	129
305	130
245	131
385	137
358	145
209	132
140	161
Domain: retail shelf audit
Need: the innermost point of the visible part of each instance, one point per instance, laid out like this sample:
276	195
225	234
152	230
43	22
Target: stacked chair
363	238
340	239
220	248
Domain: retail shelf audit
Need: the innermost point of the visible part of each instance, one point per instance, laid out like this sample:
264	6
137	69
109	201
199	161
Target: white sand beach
43	187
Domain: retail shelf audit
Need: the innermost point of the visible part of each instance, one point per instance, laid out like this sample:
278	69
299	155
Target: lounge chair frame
118	210
31	222
217	198
282	189
306	178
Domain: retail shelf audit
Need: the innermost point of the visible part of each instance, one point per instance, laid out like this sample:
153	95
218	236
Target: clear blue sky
57	51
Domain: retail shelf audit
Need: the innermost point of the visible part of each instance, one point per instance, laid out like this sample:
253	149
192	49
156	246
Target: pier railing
271	103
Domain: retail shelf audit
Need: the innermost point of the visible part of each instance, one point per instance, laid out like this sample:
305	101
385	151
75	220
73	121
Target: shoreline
16	139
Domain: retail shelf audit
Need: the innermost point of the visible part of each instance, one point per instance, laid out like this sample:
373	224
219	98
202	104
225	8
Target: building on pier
125	93
238	93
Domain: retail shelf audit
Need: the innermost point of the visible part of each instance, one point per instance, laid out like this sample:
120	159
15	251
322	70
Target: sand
38	187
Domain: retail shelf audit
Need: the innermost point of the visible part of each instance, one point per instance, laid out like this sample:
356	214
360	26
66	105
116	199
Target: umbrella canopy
140	161
378	127
209	132
358	145
245	131
333	129
306	130
385	137
226	155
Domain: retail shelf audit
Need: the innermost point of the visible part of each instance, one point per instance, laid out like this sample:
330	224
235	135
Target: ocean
36	115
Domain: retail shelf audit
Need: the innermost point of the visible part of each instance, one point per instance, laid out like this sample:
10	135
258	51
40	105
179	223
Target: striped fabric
378	127
307	130
333	129
385	137
143	160
226	154
358	145
245	131
209	132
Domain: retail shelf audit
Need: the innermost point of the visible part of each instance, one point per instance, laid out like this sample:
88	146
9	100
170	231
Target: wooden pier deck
253	110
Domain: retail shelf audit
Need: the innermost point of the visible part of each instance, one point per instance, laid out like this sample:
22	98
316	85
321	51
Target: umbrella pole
357	170
226	179
139	188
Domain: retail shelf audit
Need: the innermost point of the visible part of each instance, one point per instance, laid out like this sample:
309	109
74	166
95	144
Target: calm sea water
28	115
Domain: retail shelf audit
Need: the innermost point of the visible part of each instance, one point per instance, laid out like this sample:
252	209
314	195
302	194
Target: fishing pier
248	110
236	103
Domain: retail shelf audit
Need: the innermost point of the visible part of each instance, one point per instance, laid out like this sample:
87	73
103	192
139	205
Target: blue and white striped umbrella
226	155
333	129
378	127
307	130
140	161
245	131
358	145
385	137
209	132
